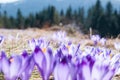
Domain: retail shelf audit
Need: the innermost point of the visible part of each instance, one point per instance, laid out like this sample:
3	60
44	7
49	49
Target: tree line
103	20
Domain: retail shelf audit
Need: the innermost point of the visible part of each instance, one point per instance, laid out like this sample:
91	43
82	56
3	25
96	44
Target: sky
9	1
32	6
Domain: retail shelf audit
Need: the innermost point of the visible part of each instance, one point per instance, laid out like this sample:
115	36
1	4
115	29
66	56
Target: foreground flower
44	61
10	67
62	70
87	67
27	66
93	69
66	69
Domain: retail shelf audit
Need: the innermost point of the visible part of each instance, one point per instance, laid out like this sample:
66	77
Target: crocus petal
0	66
109	75
99	70
15	66
28	68
39	59
117	45
95	38
1	39
65	50
32	44
96	75
49	61
24	58
103	41
86	71
58	71
5	64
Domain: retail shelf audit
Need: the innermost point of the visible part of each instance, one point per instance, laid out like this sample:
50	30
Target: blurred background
102	16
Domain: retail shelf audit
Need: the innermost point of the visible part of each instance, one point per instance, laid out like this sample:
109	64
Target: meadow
16	41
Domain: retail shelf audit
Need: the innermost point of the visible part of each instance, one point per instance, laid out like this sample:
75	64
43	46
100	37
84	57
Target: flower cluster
96	39
66	62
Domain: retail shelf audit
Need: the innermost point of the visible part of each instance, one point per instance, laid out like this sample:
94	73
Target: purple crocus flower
10	67
103	41
44	61
1	39
95	38
1	54
27	66
17	67
59	74
32	43
117	46
61	37
70	49
38	42
63	70
93	69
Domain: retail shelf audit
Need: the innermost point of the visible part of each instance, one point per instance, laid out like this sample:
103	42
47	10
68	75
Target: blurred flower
103	41
32	44
61	37
70	49
42	43
1	39
117	46
95	38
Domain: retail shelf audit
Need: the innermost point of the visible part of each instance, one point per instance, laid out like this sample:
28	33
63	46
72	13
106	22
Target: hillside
34	6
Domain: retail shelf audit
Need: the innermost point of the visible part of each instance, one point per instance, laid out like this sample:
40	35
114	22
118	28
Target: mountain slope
28	6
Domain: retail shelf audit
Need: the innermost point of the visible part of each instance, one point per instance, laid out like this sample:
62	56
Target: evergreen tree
0	17
88	19
53	14
6	22
56	18
97	12
116	23
109	19
39	19
62	13
81	15
31	20
20	20
12	22
75	15
108	23
62	16
69	13
109	9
